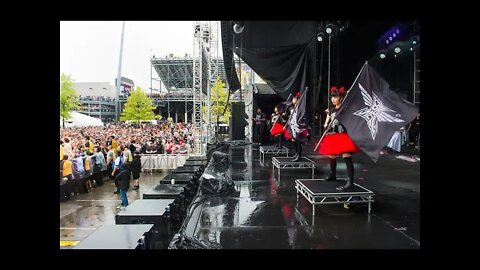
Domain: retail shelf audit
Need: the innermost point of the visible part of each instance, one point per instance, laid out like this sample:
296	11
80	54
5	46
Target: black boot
296	150
299	152
349	185
279	142
333	170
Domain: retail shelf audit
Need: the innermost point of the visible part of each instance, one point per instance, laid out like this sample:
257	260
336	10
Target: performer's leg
333	169
296	149
350	170
280	141
299	151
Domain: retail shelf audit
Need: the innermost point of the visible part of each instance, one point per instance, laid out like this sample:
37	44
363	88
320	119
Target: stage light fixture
414	42
390	38
238	27
382	55
320	37
386	41
397	50
398	31
328	29
394	35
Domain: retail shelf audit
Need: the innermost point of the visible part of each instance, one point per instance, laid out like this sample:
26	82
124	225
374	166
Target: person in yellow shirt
66	172
114	144
61	150
88	146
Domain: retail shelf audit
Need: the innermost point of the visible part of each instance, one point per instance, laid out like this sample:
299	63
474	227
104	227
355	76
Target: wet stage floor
262	214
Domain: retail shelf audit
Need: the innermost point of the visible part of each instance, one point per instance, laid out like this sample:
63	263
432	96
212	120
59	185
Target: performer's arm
327	120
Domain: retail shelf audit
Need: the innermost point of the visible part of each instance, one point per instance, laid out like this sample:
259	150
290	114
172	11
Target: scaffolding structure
189	79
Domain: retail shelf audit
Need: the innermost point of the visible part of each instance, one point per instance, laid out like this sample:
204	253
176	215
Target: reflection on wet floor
263	214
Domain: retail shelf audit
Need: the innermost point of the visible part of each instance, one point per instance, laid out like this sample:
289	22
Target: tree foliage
218	89
138	107
69	98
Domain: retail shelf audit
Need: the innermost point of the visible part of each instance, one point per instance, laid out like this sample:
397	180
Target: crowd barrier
151	162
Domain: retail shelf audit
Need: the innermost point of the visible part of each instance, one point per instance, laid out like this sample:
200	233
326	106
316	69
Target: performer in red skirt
296	128
278	122
336	141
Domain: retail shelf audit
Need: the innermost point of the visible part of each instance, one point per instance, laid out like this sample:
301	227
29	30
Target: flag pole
364	65
279	116
295	109
325	132
331	120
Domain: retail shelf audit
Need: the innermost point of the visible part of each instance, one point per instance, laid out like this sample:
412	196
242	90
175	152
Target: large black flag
371	112
302	105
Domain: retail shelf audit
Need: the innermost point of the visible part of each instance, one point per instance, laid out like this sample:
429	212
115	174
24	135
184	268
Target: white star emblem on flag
375	112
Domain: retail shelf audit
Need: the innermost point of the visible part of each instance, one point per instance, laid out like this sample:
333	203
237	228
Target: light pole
119	75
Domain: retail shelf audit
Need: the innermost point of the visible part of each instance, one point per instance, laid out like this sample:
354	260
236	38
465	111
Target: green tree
138	107
218	89
69	99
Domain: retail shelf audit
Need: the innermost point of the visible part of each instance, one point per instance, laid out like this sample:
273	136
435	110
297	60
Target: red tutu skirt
289	136
336	144
276	129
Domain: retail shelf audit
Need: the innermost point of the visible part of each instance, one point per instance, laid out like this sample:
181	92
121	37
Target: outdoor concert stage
263	213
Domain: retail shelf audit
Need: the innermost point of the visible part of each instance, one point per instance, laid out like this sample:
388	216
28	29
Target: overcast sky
89	51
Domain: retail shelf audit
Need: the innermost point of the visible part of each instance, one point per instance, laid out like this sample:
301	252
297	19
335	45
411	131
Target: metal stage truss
318	191
287	163
272	150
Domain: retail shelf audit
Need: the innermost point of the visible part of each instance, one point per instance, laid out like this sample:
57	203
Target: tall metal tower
212	52
119	77
205	44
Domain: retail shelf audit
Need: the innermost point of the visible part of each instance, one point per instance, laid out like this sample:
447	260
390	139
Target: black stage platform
197	158
288	163
318	191
272	150
143	212
164	191
115	237
187	169
180	178
195	163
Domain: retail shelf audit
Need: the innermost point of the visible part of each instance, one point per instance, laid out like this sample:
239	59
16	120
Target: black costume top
335	125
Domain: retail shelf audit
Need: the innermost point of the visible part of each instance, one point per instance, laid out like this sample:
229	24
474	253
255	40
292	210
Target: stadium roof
177	73
99	89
